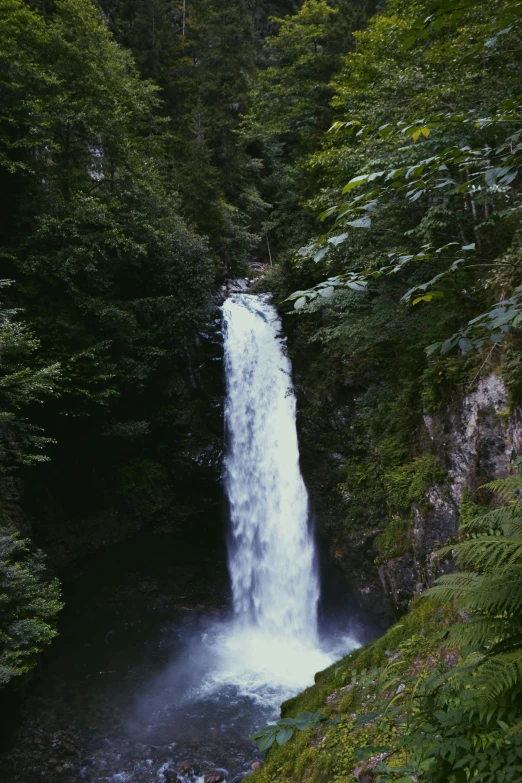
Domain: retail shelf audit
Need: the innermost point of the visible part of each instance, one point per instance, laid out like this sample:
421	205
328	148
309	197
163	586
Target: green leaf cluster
29	603
283	730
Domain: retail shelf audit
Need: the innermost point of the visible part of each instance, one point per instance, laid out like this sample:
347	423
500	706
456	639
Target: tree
28	606
290	108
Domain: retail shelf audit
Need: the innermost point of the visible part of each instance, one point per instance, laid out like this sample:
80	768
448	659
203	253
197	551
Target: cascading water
271	552
235	674
273	648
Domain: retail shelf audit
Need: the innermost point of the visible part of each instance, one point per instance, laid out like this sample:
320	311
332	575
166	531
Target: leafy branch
284	729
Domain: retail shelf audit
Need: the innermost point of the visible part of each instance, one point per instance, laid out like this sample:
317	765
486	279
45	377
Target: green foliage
426	163
106	284
201	54
336	747
487	586
110	281
463	724
24	380
109	275
290	96
407	484
29	604
396	539
283	730
290	110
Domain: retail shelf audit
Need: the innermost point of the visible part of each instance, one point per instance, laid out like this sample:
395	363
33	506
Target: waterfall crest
271	551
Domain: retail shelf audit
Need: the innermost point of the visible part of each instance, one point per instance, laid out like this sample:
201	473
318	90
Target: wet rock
216	778
257	764
364	774
237	286
333	698
186	768
171	777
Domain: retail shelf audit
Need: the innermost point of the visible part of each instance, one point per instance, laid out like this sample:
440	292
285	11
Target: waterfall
271	551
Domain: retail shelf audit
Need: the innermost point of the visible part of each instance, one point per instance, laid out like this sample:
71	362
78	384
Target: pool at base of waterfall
150	679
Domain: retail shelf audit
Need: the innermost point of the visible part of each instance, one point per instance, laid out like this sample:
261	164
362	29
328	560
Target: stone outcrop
475	439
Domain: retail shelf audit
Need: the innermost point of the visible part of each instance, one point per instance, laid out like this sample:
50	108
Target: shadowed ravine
158	668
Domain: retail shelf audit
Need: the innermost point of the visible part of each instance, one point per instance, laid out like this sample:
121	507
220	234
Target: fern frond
495	519
449	586
484	633
489	588
489	552
507	488
510	641
499	674
491	594
498	593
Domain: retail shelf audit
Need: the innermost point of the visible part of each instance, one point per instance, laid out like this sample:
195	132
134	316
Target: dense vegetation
416	250
437	698
369	153
105	283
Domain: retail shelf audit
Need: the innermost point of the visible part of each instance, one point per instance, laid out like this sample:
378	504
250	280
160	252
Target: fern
489	589
500	673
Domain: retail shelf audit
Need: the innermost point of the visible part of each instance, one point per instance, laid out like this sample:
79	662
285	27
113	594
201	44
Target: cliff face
389	558
476	439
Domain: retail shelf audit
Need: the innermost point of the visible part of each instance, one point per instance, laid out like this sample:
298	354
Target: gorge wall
386	554
386	557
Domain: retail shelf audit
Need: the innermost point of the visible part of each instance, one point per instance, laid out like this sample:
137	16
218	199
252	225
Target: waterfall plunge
271	552
269	650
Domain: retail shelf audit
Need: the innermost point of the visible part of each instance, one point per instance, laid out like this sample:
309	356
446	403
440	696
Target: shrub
29	604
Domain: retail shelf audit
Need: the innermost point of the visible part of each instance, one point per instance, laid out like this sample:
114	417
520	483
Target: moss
396	539
407	484
329	753
512	370
444	375
362	491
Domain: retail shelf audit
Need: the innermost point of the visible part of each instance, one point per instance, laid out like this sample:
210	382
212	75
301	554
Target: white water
240	670
271	553
271	550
